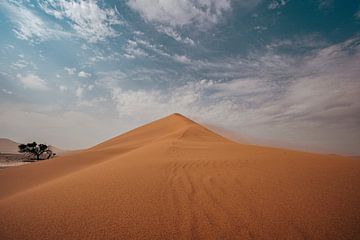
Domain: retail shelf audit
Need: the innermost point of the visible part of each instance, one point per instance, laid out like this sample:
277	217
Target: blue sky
281	72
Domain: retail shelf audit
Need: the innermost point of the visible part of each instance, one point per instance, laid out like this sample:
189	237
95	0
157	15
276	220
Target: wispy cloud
83	74
301	42
79	92
6	91
32	81
135	49
180	13
132	50
70	71
63	88
87	18
182	59
152	47
277	4
325	4
29	26
357	14
272	100
175	35
82	94
21	63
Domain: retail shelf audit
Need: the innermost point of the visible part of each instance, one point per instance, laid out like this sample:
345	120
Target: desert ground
10	156
11	160
174	179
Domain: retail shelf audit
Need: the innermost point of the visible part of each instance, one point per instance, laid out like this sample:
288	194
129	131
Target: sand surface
10	160
174	179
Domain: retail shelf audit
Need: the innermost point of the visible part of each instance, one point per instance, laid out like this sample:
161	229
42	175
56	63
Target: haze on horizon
279	72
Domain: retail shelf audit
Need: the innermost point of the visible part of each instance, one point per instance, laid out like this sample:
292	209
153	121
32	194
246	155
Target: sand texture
174	179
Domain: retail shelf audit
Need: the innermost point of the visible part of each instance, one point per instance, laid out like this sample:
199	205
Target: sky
284	73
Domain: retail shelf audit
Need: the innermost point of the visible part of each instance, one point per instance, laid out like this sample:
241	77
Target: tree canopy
36	151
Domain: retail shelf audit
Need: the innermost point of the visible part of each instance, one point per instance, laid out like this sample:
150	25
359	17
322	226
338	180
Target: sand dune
174	179
8	146
10	156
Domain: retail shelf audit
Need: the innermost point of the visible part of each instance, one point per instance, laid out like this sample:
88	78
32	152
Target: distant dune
174	179
62	152
9	155
8	146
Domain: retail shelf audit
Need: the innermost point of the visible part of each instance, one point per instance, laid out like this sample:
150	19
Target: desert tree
36	151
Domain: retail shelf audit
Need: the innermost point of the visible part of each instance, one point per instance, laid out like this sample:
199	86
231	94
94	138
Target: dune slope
174	179
8	146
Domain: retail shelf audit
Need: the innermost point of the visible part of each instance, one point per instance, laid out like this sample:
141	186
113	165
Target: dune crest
175	179
174	126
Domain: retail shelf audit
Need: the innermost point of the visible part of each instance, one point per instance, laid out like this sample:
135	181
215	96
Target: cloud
357	14
322	99
84	74
182	59
10	46
175	35
180	13
301	42
91	102
63	88
29	26
143	105
132	50
70	71
325	4
153	48
32	81
7	91
22	63
203	99
87	18
310	102
277	4
138	33
87	100
19	64
79	92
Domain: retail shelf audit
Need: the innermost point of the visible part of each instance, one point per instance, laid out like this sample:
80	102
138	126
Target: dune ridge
175	179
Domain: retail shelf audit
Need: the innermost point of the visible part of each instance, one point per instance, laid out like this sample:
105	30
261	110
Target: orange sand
174	179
